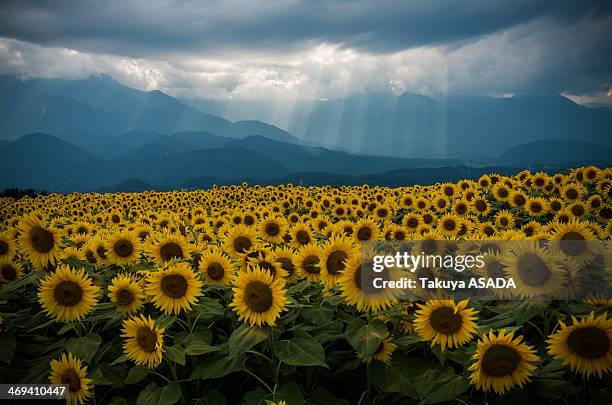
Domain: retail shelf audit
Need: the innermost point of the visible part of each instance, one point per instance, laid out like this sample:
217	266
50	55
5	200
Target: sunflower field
253	295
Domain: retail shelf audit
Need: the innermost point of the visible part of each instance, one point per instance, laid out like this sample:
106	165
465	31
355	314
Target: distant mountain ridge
43	161
101	105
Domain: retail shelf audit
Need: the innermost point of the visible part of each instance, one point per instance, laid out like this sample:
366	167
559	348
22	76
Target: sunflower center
101	251
536	207
495	269
364	233
287	265
303	237
335	261
503	193
310	264
4	248
125	296
215	271
249	220
242	244
571	194
444	320
8	272
461	209
412	222
589	342
147	339
480	205
123	248
174	285
91	258
572	244
272	229
42	240
449	225
258	296
532	269
519	200
71	378
500	361
170	251
68	293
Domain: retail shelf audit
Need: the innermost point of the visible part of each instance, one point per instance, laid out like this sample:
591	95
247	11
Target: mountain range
95	133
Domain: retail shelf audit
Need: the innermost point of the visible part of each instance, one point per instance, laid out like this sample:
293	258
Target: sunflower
7	247
334	256
586	345
165	247
240	240
258	297
382	353
365	230
126	292
123	248
448	225
573	192
536	206
480	206
502	361
144	341
445	323
308	262
356	284
9	270
411	221
572	242
216	267
504	220
67	295
38	241
285	257
301	234
272	229
68	370
517	199
535	270
174	289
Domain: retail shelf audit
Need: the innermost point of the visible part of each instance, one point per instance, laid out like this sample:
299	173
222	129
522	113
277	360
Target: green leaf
527	310
118	401
211	397
318	315
8	343
292	394
197	344
367	338
150	395
121	359
85	347
176	354
302	350
448	391
170	394
137	374
215	367
165	321
245	337
406	341
209	308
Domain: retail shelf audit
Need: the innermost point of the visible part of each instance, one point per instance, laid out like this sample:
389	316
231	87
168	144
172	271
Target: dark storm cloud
322	47
144	28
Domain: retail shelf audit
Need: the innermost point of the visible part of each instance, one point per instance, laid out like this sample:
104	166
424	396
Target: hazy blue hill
557	151
413	125
307	158
101	105
42	161
202	139
129	186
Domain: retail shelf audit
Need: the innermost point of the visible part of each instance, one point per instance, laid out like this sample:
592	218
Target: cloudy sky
312	49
